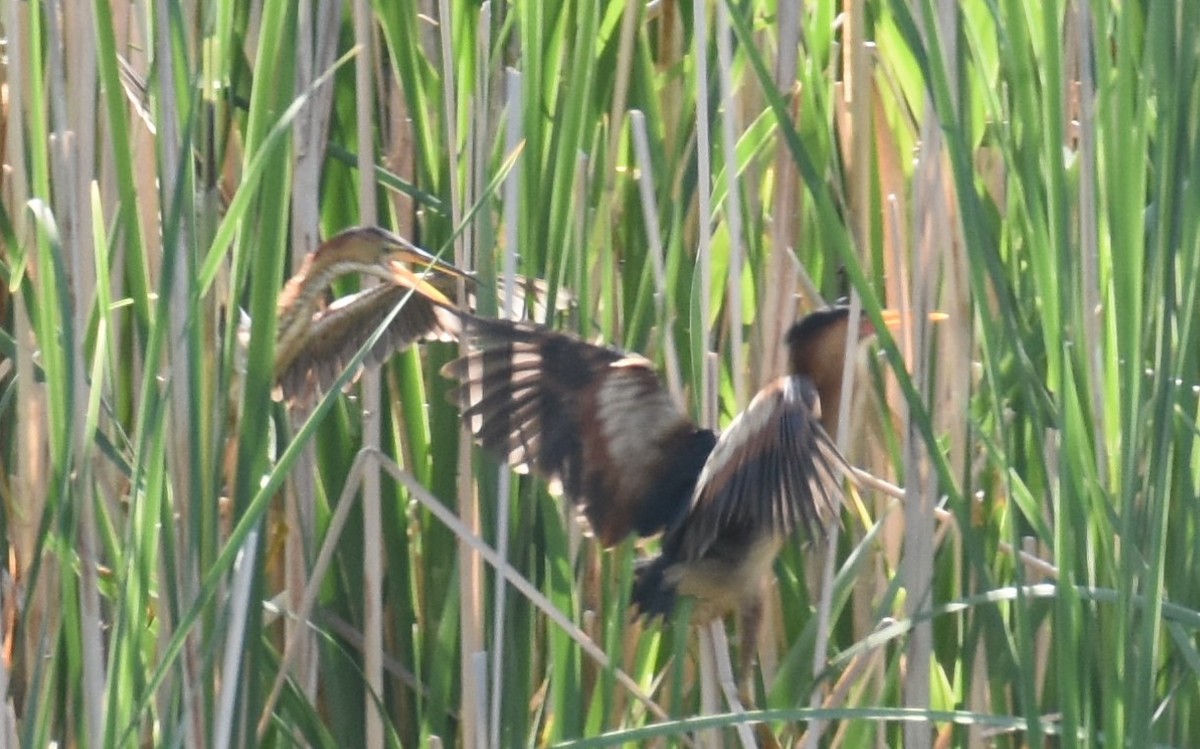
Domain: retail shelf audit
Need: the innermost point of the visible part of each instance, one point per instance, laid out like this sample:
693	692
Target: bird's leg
751	624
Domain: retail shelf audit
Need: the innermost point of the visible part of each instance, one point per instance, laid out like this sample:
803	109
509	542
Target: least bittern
600	423
315	342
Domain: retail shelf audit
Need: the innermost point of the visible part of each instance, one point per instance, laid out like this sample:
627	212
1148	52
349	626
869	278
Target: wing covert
597	421
773	470
340	330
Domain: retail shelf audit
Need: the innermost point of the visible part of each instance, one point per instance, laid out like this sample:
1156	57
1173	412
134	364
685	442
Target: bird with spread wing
315	339
600	424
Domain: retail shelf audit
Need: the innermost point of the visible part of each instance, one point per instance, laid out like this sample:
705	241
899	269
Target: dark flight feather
600	423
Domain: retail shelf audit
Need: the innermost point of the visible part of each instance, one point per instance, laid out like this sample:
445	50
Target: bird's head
817	342
377	251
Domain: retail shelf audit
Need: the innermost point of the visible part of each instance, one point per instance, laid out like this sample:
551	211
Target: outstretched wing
338	331
773	470
529	298
342	328
595	420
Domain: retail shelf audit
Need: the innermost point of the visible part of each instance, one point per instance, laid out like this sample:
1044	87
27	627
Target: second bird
601	424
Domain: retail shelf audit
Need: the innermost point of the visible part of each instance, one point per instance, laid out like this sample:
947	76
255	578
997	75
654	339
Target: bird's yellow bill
894	318
404	251
402	276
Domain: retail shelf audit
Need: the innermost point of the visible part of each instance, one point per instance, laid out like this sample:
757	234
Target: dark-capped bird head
817	350
372	249
817	343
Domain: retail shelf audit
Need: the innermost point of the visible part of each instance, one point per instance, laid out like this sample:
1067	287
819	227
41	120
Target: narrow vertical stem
624	67
855	90
72	93
512	191
645	171
372	516
701	346
180	364
709	703
314	54
1089	254
235	640
704	198
470	564
778	307
828	568
732	212
725	676
930	219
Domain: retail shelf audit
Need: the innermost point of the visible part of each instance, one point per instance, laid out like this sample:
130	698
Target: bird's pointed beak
894	319
866	328
403	251
406	277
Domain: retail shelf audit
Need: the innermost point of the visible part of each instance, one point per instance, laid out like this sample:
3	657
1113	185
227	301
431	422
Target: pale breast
720	587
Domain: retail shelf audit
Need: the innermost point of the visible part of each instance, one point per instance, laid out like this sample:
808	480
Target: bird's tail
653	595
